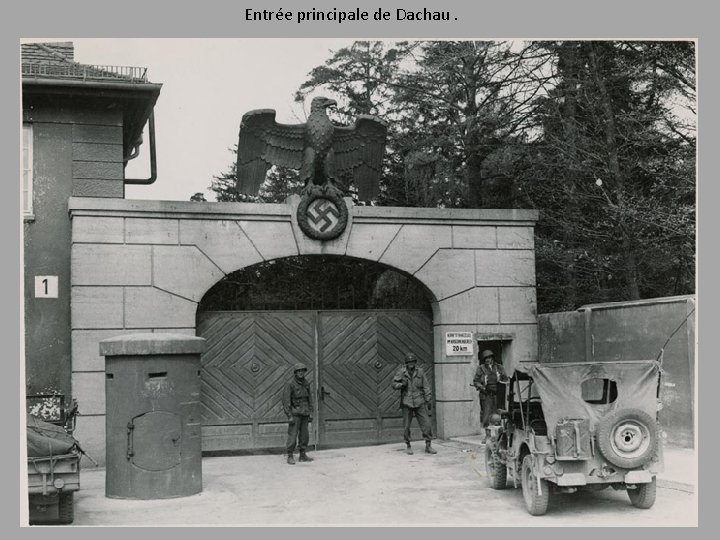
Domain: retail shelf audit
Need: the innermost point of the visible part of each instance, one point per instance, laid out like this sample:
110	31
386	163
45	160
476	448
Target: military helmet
486	353
299	367
410	357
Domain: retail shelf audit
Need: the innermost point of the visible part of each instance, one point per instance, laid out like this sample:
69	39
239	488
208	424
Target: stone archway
145	266
349	321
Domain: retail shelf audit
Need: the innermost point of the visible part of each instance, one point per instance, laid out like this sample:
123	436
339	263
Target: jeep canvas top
573	425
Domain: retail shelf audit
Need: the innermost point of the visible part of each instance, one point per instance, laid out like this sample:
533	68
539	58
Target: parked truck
53	460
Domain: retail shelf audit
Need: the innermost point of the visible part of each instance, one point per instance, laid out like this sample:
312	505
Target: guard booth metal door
351	358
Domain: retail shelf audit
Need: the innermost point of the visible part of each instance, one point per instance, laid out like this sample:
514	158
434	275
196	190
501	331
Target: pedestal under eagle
327	155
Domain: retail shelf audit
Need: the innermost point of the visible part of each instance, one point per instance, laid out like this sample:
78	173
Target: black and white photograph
337	281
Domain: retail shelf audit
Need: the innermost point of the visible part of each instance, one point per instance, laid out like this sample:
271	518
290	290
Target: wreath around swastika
322	214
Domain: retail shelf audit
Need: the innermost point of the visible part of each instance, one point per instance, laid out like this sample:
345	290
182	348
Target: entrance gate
351	358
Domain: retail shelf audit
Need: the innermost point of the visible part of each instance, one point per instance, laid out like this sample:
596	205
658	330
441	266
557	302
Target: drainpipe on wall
153	159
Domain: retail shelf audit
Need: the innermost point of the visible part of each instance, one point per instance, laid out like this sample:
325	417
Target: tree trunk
568	62
473	173
471	139
616	173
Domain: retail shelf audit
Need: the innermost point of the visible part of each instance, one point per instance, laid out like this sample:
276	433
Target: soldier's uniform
415	400
486	380
298	407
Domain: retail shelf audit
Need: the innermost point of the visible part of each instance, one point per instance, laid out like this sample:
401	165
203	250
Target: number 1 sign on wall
46	286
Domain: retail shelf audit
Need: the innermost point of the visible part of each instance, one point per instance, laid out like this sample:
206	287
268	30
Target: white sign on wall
46	286
459	344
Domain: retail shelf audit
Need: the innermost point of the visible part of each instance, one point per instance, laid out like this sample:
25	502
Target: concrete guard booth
152	391
144	266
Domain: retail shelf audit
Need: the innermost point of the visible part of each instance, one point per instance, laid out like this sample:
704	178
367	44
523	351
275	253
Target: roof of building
57	61
50	73
48	53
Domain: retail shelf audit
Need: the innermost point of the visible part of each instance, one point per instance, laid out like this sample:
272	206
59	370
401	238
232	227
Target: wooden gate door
351	359
359	352
244	370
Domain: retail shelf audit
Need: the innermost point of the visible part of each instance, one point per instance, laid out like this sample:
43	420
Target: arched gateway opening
350	321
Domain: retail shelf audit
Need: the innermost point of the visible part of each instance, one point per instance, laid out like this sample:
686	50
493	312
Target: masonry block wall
143	266
634	330
90	140
77	150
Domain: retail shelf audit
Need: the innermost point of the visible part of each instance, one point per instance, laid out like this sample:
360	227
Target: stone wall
145	266
77	150
634	330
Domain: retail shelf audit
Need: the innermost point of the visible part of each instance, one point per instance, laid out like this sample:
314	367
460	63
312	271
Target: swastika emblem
322	214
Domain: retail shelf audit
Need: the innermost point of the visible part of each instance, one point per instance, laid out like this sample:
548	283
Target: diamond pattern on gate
353	343
348	357
398	334
232	391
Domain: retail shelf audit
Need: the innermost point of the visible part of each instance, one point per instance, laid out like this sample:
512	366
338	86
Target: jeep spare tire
628	438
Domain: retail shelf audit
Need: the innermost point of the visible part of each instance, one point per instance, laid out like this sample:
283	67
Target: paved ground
376	485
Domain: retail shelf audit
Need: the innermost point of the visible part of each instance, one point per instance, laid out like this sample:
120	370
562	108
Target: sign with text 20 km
458	343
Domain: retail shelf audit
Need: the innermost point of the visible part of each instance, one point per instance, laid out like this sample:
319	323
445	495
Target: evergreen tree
615	184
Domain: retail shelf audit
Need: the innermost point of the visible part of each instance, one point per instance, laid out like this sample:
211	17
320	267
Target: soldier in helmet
488	375
298	407
415	400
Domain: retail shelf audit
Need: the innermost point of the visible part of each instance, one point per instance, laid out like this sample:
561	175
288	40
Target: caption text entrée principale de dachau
340	16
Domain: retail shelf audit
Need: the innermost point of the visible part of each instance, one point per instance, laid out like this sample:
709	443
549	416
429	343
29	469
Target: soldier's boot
290	459
304	456
429	449
408	449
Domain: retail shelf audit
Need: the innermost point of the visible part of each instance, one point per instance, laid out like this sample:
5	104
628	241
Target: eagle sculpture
326	155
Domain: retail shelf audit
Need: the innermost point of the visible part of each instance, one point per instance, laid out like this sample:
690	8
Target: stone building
81	124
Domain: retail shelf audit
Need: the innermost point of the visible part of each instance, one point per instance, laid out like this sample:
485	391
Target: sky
208	84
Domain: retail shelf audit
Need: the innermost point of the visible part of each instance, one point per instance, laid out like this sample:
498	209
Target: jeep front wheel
536	491
496	471
628	438
643	496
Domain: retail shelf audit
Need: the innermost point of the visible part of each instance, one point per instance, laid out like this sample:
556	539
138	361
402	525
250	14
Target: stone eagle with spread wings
326	155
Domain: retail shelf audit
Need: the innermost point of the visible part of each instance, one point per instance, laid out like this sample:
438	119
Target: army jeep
570	426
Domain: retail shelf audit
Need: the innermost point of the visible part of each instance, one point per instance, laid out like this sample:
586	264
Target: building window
27	164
